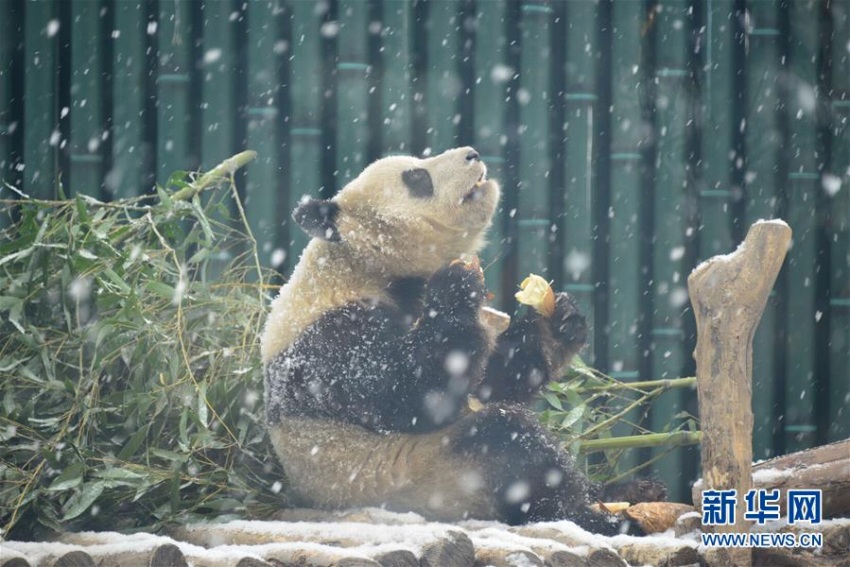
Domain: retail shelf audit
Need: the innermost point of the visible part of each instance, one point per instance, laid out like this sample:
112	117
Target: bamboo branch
671	439
688	382
221	172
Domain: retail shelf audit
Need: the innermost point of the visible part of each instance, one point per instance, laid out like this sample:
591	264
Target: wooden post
728	294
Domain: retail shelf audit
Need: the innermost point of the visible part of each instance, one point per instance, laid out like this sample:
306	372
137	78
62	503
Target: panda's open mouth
477	190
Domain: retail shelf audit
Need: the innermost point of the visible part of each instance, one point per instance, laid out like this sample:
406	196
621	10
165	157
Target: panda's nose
472	155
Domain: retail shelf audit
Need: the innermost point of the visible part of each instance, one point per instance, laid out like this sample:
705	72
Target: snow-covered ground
362	537
375	537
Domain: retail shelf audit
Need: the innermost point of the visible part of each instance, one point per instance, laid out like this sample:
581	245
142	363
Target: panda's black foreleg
446	350
532	351
529	476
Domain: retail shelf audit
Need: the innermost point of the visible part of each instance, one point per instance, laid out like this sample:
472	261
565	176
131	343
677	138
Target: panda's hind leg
529	476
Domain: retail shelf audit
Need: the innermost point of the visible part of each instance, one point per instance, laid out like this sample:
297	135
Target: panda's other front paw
457	288
567	323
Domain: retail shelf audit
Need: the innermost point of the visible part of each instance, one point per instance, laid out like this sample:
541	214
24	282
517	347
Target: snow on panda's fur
374	344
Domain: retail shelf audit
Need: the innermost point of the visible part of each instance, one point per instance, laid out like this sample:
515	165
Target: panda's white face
449	189
406	216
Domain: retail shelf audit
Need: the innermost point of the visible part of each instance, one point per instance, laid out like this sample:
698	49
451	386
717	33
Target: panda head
405	216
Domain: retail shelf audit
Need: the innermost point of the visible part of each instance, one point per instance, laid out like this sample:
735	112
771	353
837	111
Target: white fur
336	465
385	234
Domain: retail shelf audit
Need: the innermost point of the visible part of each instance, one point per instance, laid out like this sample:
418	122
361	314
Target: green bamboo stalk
665	384
128	98
224	170
635	441
40	118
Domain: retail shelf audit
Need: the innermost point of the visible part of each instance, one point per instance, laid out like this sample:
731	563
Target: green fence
633	139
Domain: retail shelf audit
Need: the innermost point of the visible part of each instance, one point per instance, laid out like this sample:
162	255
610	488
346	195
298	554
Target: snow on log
506	558
562	558
687	523
319	558
826	468
728	294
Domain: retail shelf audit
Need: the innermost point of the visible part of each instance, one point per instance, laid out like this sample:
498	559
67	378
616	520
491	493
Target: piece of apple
537	293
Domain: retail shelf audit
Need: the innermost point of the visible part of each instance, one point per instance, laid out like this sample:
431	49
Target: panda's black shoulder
398	314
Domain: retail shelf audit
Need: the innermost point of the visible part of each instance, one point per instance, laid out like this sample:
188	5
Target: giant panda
373	346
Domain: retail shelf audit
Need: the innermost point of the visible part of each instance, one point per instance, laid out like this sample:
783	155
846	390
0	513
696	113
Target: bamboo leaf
125	476
113	277
133	444
203	411
81	501
82	211
553	400
71	477
161	289
573	417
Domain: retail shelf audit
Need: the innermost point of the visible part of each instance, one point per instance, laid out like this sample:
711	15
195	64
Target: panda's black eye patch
418	182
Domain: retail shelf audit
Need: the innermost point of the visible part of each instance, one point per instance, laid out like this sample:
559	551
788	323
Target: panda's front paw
457	288
567	323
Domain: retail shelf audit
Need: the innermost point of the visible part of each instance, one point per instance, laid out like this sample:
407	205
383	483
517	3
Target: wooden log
838	451
571	539
363	515
494	557
835	534
826	468
75	559
12	558
252	562
687	523
318	558
168	555
836	540
728	294
397	558
211	535
562	558
784	557
454	550
149	549
597	555
651	553
603	557
32	554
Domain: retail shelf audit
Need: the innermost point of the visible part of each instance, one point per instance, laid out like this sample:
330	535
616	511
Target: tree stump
728	294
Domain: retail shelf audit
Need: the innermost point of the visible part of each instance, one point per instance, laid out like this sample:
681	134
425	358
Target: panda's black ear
318	218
